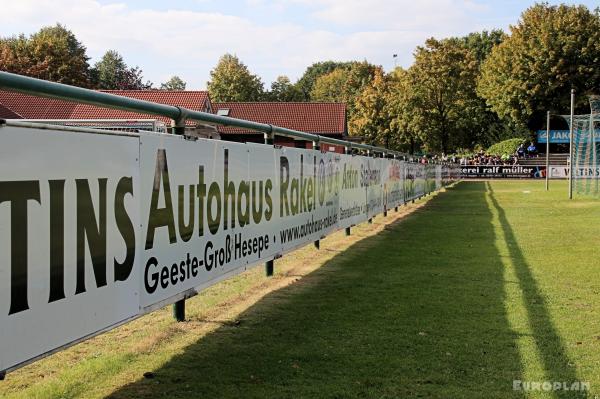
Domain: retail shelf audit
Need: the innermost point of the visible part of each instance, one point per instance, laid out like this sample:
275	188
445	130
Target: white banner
69	219
372	180
353	194
308	186
562	172
393	184
96	229
414	181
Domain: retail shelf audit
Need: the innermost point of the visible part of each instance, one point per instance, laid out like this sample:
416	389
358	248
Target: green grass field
478	286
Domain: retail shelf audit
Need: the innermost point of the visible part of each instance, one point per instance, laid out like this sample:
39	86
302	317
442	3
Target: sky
272	37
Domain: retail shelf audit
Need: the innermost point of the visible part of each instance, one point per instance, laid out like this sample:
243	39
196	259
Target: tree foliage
231	80
549	51
331	87
400	106
506	147
481	43
442	93
486	127
53	53
461	92
307	81
371	119
174	83
112	73
345	84
14	55
282	90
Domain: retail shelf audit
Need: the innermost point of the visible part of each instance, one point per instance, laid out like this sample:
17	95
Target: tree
481	43
14	55
400	107
133	80
110	70
231	80
371	119
487	126
282	90
307	81
331	87
344	84
112	73
442	94
53	53
551	50
174	83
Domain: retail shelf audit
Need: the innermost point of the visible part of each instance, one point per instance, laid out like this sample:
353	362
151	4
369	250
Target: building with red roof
327	119
6	113
24	106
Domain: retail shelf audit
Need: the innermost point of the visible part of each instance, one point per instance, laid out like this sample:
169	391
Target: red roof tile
32	107
318	118
6	113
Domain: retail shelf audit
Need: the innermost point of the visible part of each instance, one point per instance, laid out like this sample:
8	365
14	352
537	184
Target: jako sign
98	229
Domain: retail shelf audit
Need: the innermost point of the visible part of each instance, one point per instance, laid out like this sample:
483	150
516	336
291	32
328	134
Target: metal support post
179	310
594	151
316	147
179	306
396	207
384	155
571	166
178	126
547	149
347	150
269	268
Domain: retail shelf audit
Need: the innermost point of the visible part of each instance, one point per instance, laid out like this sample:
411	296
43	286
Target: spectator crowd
482	158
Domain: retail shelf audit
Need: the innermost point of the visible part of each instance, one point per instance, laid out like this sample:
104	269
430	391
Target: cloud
189	43
397	15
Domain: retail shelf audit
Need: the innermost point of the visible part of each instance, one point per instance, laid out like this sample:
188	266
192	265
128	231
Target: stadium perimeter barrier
99	227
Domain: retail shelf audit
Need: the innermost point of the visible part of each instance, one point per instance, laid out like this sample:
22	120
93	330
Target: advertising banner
562	172
393	187
414	181
500	171
307	188
206	208
69	214
353	193
372	180
562	136
529	172
556	136
99	228
420	175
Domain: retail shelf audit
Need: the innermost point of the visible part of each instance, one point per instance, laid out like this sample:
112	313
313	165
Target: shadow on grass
416	311
556	363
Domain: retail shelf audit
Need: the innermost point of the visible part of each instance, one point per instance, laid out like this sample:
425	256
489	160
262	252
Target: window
223	112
